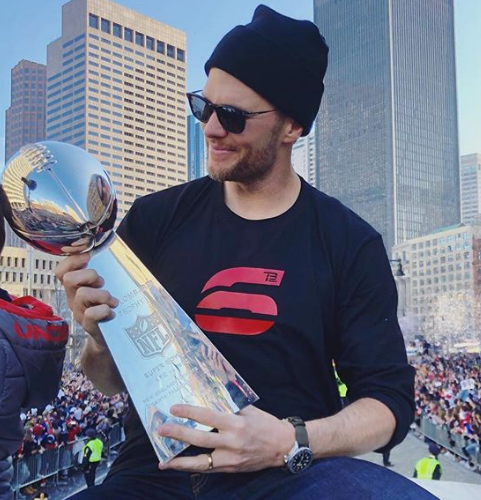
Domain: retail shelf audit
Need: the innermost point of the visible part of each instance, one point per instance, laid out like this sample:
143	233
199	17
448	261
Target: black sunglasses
232	119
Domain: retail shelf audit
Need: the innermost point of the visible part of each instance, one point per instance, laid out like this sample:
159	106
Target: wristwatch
299	457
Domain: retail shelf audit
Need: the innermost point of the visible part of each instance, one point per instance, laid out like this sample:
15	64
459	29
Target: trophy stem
162	355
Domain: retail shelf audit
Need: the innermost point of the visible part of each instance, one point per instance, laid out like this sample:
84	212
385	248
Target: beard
253	165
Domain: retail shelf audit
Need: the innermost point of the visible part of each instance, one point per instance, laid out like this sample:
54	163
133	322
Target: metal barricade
33	468
452	442
27	470
70	454
115	435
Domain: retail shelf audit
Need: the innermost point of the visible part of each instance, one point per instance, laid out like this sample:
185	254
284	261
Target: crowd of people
448	393
78	411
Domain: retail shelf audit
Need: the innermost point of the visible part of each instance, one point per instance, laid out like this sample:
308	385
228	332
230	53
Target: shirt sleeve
371	356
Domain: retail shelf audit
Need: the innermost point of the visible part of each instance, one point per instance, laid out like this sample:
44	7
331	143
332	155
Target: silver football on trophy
58	198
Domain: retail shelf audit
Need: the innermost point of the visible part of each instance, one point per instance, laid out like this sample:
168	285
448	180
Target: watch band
301	431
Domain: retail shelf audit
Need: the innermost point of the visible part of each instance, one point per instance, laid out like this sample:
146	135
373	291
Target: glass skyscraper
196	151
387	129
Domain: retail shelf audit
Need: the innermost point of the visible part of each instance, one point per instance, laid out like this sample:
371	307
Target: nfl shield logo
148	335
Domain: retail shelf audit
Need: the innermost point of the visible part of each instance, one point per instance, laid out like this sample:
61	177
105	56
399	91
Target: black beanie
282	59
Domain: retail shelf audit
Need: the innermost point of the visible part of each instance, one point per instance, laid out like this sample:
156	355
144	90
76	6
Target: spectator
92	455
442	397
31	366
429	467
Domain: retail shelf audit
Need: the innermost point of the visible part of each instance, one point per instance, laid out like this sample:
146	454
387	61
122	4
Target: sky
30	25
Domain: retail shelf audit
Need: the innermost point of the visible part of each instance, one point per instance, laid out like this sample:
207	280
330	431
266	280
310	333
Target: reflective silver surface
162	355
59	199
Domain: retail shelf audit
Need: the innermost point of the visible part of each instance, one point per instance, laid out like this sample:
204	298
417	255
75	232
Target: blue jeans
328	479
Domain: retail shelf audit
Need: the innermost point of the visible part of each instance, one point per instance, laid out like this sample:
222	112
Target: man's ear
292	131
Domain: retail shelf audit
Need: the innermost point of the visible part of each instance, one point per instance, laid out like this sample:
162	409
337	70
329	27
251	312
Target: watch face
300	461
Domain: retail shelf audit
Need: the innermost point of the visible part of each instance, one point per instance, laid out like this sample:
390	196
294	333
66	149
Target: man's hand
248	441
90	306
89	303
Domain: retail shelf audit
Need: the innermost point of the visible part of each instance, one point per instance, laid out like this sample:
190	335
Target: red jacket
32	350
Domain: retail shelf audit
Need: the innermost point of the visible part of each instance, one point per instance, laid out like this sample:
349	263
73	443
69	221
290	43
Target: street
403	458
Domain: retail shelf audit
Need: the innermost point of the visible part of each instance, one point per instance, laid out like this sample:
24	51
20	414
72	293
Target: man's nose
213	128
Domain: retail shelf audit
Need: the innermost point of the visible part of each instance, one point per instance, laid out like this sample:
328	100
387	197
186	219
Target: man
30	368
92	455
304	281
429	467
386	455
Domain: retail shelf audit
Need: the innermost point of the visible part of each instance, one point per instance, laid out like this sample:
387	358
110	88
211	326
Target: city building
25	118
470	179
443	264
25	271
116	83
387	130
196	150
304	158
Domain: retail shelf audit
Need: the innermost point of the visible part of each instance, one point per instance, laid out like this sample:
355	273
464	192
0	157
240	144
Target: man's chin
238	172
219	174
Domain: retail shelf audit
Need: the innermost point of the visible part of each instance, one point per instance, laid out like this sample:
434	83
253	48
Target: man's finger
99	313
207	416
203	439
199	463
87	297
82	277
71	263
91	319
220	461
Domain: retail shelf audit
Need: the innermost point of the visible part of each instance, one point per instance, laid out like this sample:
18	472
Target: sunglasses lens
200	109
231	119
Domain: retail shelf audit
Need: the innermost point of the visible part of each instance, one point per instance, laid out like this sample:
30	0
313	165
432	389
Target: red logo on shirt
254	303
51	333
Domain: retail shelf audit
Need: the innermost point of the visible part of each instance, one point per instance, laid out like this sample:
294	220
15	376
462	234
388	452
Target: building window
94	21
128	35
160	47
181	55
170	50
117	30
139	38
150	43
105	25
